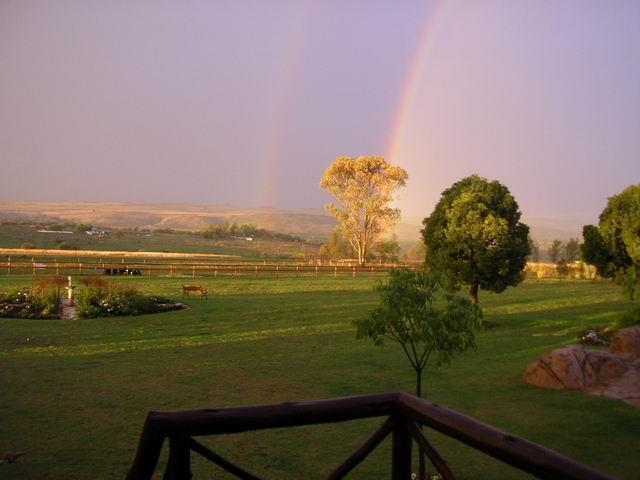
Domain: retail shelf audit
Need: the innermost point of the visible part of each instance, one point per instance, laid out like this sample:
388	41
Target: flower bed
99	299
40	301
96	298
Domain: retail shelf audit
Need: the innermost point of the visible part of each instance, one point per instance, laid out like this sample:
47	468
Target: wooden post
171	269
79	267
215	271
179	464
297	271
57	268
256	270
316	271
149	269
8	265
34	267
193	271
335	271
353	272
401	452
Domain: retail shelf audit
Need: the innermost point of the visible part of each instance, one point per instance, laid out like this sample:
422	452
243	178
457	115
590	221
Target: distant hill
308	223
313	224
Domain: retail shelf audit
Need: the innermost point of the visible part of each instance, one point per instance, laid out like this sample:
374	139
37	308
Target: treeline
384	250
52	226
247	230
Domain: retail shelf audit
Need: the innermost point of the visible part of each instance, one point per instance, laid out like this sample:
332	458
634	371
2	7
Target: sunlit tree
364	188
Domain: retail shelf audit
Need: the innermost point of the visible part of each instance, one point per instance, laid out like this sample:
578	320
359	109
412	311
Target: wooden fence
186	269
405	415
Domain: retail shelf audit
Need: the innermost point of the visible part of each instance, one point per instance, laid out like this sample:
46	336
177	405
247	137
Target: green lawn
74	394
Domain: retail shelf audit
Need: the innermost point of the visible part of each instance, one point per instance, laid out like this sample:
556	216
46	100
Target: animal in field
195	289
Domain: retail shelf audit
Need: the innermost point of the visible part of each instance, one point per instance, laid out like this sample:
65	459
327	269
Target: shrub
629	318
40	301
109	301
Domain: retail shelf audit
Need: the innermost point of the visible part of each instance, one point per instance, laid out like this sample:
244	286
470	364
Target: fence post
57	268
316	271
34	267
171	269
8	265
353	272
335	271
401	451
256	270
179	463
79	267
215	272
193	272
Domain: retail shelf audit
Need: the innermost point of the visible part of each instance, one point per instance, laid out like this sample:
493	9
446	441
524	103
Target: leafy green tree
596	252
388	250
336	246
475	236
614	245
364	189
534	249
83	227
420	315
416	253
555	251
572	250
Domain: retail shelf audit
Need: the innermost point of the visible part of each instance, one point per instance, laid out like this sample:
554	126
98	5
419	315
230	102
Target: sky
248	102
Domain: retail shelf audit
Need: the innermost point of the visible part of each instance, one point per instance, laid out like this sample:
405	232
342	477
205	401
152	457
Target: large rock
597	372
626	340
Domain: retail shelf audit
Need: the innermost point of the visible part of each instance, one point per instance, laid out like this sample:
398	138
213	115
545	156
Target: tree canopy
475	236
418	313
364	188
614	245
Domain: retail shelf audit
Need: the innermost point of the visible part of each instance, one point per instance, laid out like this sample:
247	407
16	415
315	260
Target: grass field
75	393
16	236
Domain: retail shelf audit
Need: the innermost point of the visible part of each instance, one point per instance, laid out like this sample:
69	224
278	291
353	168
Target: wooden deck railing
405	414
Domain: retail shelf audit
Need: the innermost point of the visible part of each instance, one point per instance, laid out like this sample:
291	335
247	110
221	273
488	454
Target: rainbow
400	145
276	138
408	91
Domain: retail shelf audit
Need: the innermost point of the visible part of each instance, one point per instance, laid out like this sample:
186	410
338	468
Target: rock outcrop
614	373
626	340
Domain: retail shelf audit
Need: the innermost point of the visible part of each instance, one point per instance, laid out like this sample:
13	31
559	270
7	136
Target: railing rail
405	414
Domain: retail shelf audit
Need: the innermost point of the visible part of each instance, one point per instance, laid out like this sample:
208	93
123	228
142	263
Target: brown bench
197	289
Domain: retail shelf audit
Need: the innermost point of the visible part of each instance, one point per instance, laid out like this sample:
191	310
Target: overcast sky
247	102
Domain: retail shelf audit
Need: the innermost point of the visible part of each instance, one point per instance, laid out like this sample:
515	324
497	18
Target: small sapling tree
418	313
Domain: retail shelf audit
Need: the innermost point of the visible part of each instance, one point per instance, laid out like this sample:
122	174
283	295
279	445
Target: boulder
597	372
626	340
558	369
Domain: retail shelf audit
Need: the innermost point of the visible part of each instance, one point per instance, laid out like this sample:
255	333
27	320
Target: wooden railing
185	269
405	415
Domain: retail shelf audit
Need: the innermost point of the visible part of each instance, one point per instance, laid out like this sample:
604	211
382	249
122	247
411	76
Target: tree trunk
421	463
474	293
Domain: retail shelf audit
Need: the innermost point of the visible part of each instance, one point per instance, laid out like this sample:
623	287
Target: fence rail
182	269
405	414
